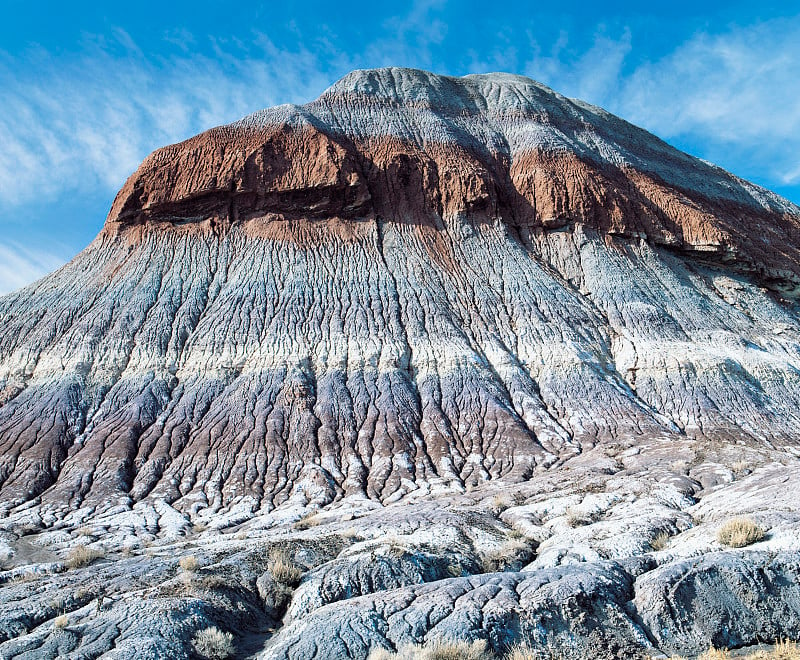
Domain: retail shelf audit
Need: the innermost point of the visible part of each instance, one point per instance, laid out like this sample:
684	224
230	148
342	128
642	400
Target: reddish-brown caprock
413	282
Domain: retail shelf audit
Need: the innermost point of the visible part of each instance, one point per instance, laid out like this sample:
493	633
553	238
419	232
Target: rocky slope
399	305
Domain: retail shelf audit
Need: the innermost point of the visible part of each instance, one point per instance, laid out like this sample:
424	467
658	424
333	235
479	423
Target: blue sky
88	89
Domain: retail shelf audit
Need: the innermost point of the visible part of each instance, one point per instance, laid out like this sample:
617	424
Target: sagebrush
213	643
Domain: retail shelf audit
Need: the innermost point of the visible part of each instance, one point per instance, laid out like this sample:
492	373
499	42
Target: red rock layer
286	172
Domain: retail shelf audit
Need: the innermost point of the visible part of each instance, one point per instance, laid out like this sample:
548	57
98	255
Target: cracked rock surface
475	360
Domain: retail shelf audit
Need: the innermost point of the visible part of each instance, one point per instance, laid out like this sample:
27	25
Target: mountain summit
413	289
406	146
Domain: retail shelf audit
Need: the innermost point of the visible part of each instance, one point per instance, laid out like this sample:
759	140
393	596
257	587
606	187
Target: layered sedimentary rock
412	282
415	287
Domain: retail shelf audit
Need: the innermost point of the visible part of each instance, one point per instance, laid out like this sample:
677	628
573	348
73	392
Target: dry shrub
500	503
283	567
783	650
715	654
577	518
61	622
438	650
500	558
189	563
307	522
526	652
213	644
659	541
82	555
739	532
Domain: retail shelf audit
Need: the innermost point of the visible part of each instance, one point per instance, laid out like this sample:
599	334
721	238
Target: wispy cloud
20	266
735	95
591	74
738	86
90	120
80	123
76	126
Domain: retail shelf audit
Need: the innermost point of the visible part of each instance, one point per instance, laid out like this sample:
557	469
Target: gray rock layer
408	303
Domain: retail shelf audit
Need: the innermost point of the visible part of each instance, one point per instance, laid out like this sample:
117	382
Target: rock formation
397	306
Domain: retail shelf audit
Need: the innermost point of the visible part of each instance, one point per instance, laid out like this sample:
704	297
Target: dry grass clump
189	563
500	558
445	650
61	622
577	518
525	652
284	568
82	555
307	522
783	650
521	652
660	541
500	503
739	532
213	644
786	650
741	468
438	650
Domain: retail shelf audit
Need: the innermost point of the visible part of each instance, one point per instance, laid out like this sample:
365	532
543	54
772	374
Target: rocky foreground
425	359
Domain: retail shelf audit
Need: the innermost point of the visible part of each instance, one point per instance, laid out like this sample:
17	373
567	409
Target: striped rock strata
413	282
486	331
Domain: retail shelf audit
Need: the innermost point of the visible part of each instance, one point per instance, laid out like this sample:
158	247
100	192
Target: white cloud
89	121
78	126
590	75
740	86
20	266
735	95
81	123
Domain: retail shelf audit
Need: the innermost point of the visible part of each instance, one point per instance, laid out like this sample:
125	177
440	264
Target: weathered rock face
414	282
415	290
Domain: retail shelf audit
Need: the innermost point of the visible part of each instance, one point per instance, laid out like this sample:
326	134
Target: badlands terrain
426	361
